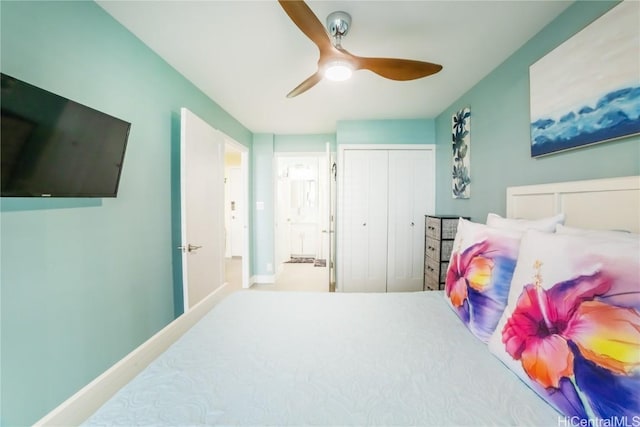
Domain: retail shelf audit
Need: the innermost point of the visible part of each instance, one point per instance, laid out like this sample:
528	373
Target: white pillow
544	224
610	234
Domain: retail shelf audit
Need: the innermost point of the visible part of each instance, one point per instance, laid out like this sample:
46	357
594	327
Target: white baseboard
90	398
265	278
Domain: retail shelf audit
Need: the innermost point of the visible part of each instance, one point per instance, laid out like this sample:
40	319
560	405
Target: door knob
189	248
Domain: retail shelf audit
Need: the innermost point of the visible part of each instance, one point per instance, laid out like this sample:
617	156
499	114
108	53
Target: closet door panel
410	193
364	249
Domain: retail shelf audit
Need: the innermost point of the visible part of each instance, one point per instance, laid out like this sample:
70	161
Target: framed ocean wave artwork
587	90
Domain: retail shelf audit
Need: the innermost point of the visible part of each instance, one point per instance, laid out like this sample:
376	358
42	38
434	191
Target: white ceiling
247	55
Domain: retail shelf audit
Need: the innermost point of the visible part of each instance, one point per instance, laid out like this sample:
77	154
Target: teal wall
500	140
85	281
409	131
262	236
316	143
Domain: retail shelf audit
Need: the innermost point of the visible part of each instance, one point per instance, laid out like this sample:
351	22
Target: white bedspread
277	358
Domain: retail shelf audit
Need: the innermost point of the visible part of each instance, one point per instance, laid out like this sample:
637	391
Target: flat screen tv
55	147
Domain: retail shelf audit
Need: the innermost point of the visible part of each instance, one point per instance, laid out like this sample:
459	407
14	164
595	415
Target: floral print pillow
571	330
479	274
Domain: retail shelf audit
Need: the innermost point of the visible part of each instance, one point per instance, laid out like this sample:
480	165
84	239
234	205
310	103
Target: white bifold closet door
386	194
408	194
364	250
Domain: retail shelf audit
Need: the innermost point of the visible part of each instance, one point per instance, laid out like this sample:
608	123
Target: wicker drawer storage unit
438	244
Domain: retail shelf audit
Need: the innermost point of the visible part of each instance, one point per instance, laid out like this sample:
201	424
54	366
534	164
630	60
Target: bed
262	358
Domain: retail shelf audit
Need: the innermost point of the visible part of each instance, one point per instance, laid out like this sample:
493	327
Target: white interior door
202	201
235	207
363	231
283	222
409	195
242	214
322	230
331	223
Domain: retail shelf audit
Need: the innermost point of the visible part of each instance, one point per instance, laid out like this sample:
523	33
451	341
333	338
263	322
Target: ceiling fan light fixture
336	63
338	71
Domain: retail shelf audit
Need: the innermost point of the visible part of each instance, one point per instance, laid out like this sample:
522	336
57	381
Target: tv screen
55	147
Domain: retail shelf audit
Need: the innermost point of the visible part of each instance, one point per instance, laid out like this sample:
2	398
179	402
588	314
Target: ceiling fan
335	62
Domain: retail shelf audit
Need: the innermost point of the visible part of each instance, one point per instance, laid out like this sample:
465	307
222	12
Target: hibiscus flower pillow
571	329
479	274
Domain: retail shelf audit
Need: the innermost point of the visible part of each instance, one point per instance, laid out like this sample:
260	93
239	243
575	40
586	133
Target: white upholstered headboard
605	204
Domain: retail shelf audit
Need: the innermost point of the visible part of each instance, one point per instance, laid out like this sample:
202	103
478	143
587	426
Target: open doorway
302	217
236	216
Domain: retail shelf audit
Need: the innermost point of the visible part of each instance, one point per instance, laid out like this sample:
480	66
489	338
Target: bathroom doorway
302	218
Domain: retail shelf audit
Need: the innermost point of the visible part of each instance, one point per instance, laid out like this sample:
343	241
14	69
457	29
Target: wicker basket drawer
441	228
432	248
430	284
433	227
435	274
432	269
449	227
444	266
446	249
439	250
440	232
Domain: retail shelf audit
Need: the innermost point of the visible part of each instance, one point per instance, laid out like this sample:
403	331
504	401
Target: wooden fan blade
396	69
306	20
306	85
